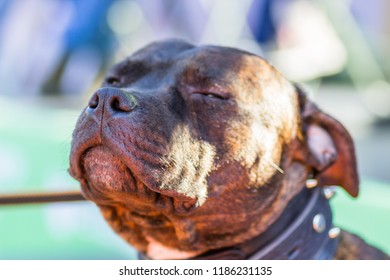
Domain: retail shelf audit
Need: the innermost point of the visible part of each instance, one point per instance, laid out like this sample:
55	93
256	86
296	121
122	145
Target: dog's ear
329	147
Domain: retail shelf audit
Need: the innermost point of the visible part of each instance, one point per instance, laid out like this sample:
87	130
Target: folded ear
329	147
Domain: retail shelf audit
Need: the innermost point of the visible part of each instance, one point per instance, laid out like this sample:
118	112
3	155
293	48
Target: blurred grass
34	149
368	215
40	232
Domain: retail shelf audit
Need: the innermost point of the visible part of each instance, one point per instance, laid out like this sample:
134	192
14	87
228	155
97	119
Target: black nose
111	101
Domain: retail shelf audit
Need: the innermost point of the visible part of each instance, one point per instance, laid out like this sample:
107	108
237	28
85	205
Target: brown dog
203	152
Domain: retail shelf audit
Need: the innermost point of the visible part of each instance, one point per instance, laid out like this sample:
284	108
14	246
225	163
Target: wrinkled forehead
212	61
172	50
162	52
171	63
218	62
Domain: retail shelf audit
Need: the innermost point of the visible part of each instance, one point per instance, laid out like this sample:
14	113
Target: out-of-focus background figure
54	53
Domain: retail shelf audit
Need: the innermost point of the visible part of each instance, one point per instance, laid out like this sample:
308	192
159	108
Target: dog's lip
76	170
168	201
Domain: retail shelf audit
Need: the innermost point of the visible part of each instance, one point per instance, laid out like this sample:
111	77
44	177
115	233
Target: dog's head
199	148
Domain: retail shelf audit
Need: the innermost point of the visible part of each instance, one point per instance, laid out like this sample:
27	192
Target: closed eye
210	94
113	81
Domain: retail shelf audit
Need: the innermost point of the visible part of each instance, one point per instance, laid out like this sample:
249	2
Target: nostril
115	104
94	102
119	104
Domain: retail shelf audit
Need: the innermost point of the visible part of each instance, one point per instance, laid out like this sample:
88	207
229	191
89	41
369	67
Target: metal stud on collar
319	223
311	183
329	192
334	232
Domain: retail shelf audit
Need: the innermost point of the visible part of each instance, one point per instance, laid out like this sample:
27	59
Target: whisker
277	167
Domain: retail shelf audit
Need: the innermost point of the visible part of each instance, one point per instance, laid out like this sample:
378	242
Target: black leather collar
292	236
307	237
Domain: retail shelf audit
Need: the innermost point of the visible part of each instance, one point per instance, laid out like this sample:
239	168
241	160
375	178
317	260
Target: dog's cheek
265	166
236	139
257	148
191	160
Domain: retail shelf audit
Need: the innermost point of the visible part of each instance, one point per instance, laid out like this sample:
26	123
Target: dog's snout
111	101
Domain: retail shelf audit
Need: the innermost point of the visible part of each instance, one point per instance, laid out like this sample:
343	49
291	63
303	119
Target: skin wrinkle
199	171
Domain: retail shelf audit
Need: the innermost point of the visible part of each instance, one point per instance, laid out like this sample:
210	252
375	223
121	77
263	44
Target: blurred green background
53	54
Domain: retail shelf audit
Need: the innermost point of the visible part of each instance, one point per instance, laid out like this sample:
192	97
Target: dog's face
190	147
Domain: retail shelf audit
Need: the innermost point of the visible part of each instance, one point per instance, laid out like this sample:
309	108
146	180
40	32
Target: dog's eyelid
211	94
112	80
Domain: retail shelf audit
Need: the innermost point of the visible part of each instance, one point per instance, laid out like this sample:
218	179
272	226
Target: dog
208	152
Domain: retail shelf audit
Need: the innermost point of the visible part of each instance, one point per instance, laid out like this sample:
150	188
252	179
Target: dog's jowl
204	153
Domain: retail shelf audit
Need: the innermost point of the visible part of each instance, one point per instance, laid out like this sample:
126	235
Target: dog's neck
290	185
301	232
296	206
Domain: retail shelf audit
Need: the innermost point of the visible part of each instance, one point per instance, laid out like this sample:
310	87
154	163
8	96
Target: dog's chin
105	172
108	180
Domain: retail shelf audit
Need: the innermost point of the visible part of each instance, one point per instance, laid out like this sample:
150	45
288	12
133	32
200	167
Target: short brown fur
188	149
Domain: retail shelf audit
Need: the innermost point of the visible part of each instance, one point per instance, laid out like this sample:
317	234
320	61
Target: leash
33	198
